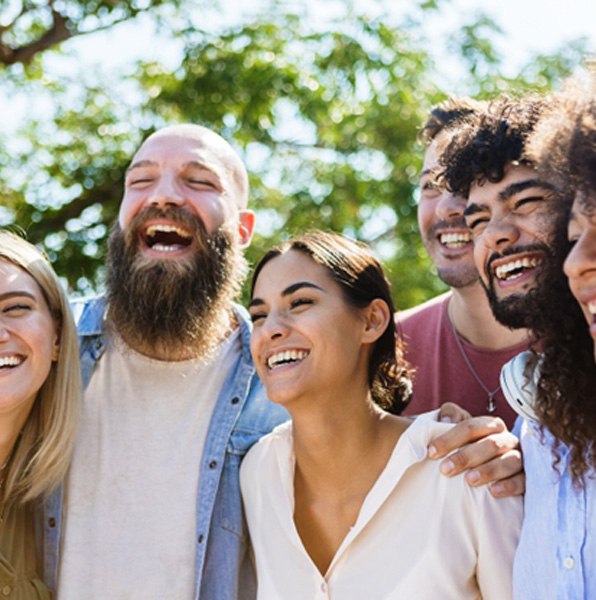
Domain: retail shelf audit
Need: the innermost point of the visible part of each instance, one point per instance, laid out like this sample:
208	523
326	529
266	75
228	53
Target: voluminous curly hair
360	276
564	150
487	141
564	143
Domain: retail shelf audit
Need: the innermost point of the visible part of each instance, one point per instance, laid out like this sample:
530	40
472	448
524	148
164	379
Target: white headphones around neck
518	390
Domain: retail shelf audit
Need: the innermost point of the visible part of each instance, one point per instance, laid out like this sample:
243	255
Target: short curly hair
449	113
489	140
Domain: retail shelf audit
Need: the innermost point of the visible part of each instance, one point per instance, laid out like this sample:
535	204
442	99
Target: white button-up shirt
419	535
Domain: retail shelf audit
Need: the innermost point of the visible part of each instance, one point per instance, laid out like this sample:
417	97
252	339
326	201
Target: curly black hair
488	140
564	149
447	114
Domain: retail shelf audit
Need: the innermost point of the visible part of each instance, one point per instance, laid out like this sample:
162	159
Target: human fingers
453	413
465	433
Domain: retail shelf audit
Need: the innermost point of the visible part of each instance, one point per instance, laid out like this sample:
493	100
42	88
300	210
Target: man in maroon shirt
453	341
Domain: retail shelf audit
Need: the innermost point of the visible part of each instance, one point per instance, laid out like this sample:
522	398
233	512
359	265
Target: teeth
153	229
286	356
10	361
592	307
455	239
504	271
164	248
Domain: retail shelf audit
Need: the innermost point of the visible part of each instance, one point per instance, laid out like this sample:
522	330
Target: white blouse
418	536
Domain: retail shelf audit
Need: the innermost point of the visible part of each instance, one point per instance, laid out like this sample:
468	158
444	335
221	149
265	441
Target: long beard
173	305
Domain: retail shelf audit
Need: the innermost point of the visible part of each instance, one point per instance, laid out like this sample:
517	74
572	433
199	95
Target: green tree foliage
29	27
326	121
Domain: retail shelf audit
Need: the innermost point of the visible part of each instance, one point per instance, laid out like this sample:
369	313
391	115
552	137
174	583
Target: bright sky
530	26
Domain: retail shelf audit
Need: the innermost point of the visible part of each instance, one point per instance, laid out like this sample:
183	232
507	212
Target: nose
166	193
4	335
450	207
499	233
276	326
273	327
582	258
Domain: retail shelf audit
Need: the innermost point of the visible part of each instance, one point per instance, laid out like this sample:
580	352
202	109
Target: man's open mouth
166	238
515	268
455	240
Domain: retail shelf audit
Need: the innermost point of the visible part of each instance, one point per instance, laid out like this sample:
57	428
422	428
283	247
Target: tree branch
59	32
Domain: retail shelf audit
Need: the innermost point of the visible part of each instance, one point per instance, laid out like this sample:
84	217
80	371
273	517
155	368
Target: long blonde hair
42	452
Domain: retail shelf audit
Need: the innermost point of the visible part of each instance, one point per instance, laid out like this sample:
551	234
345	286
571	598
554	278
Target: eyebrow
140	164
191	163
287	291
508	192
521	186
17	294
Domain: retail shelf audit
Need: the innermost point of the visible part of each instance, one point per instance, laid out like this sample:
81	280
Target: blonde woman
39	397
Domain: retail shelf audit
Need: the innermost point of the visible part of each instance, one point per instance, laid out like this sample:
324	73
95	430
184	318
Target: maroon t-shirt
442	374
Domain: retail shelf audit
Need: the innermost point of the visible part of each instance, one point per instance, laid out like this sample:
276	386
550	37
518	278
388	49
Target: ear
246	226
56	348
377	315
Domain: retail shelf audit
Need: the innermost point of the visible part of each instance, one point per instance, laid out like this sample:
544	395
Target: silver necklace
490	406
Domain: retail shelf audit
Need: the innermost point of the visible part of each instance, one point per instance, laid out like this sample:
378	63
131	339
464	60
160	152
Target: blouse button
6	590
569	563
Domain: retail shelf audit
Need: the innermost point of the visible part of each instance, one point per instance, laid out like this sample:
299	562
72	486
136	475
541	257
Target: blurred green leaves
325	118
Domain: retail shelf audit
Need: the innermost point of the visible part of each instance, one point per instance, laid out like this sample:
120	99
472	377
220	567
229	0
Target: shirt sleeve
499	525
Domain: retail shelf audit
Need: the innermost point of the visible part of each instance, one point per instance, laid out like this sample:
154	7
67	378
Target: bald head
223	155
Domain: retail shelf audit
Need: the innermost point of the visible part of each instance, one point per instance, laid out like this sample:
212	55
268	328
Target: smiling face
442	226
580	266
512	223
183	168
307	340
28	340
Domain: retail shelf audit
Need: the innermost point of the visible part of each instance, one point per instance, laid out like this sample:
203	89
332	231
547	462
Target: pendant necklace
490	406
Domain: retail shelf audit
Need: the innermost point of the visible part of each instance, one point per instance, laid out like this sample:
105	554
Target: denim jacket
241	416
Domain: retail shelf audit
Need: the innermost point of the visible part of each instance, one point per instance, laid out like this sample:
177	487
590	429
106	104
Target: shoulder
455	489
275	446
88	313
432	307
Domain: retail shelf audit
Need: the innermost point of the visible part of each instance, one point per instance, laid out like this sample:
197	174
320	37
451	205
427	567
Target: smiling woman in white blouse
341	501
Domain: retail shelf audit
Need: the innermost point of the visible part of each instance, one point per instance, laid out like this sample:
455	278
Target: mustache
512	250
193	223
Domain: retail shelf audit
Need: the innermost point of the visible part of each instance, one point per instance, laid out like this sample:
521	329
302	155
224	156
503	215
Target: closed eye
16	308
528	200
297	302
204	182
257	316
140	181
475	222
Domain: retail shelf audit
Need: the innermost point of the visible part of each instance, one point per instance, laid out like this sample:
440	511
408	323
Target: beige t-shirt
418	536
131	493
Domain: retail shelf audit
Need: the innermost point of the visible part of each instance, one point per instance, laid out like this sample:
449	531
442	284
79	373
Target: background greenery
326	118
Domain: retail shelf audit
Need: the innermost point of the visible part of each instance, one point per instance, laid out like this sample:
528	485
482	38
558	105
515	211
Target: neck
330	445
11	426
470	313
